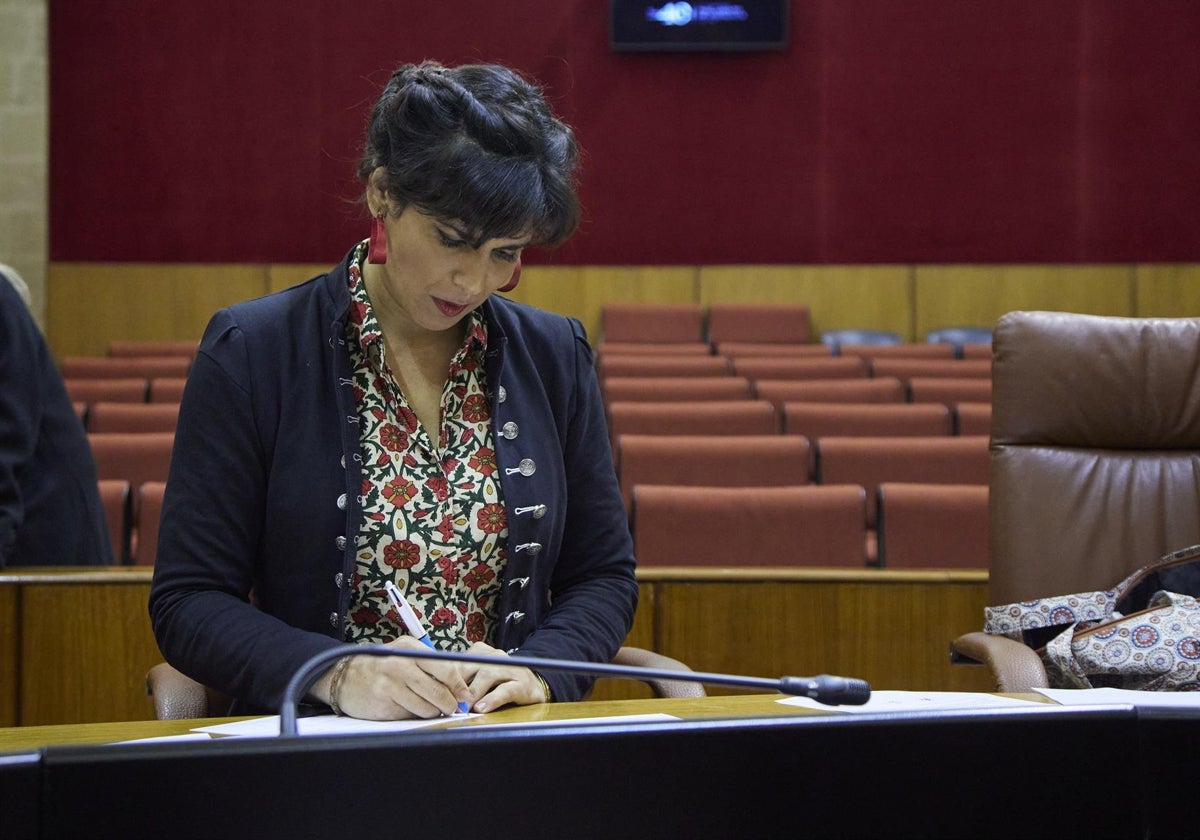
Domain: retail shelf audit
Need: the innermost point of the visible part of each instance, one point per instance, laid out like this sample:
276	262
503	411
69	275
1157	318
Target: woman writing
393	420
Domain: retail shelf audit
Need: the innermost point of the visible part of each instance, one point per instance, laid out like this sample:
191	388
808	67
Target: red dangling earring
516	278
377	250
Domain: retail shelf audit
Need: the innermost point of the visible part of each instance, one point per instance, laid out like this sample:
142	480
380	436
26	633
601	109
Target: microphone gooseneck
824	688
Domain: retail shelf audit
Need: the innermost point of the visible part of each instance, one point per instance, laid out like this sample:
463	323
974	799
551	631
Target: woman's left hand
497	685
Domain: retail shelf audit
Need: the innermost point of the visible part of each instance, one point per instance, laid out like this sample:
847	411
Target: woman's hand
498	685
395	687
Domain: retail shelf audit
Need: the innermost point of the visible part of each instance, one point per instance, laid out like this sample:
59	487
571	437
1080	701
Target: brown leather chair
178	697
1095	455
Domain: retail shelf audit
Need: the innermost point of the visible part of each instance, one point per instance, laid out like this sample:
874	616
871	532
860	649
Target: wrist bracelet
335	684
545	687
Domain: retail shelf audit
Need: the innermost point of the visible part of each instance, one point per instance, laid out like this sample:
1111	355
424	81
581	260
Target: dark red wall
888	131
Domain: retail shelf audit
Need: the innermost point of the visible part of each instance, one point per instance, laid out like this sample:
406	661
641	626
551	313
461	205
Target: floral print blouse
433	518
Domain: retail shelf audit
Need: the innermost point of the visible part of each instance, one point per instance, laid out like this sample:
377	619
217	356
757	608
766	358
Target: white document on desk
268	727
1122	697
917	701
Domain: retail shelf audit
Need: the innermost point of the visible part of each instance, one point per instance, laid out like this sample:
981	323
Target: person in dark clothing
50	508
396	423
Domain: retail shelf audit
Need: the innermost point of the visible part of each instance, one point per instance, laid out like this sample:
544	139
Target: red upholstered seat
853	390
942	526
816	420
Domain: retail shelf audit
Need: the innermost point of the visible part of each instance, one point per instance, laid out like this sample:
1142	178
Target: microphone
824	688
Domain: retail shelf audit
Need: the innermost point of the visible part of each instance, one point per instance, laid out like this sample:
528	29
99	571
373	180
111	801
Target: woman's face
434	274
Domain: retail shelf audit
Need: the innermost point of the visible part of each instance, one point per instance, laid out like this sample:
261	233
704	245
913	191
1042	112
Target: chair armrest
175	696
1016	667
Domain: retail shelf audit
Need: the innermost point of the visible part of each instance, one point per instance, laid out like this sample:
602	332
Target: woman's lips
450	309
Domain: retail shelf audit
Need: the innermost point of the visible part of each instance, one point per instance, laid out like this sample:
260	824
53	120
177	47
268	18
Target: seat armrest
175	696
1015	666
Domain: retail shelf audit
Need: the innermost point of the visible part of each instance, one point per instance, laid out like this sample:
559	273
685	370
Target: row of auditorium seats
920	526
132	514
783	367
724	328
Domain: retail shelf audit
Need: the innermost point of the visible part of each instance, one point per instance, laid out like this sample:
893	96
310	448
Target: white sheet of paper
1122	696
650	718
189	736
267	727
916	701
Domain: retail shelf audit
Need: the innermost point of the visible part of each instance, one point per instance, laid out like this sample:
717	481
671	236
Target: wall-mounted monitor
646	25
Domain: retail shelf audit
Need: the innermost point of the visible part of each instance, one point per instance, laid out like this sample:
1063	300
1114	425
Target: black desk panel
1052	772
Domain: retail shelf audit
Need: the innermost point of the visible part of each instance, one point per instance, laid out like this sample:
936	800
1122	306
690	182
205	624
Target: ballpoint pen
412	623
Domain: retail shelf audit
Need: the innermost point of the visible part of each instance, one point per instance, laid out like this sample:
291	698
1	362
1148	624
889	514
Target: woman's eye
507	256
449	241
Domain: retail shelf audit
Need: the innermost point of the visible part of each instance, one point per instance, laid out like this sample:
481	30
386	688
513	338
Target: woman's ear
377	197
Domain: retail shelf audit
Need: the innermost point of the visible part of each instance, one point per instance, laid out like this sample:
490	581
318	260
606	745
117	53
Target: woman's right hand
396	687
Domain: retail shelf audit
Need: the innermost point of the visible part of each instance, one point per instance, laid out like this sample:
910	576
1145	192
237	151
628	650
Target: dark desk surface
738	766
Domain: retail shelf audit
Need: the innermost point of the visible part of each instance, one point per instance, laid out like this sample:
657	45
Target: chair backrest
132	417
630	364
816	420
643	658
124	348
906	369
136	457
853	390
758	367
717	417
676	389
942	526
950	390
737	349
115	495
649	348
122	389
1095	459
759	322
149	510
652	322
712	460
167	389
973	418
127	367
871	461
749	526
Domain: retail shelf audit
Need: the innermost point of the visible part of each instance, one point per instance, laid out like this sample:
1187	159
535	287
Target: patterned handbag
1142	634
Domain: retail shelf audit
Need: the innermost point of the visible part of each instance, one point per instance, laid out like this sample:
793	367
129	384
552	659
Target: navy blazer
50	508
259	523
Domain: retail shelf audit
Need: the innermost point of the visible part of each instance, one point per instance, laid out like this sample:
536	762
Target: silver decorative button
520	582
509	430
503	394
532	548
516	617
341	543
341	502
337	580
333	619
526	467
538	511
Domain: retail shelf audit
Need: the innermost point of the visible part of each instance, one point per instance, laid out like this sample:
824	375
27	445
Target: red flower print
475	409
446	528
366	487
402	554
440	487
484	460
393	437
459	391
365	616
448	572
358	313
479	576
383	460
407	418
399	490
442	617
476	630
378	413
491	519
450	465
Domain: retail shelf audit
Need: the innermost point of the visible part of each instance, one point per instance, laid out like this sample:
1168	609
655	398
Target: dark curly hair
476	144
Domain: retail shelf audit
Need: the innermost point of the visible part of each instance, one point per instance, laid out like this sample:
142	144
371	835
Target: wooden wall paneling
977	295
282	276
877	297
9	674
895	634
582	291
85	648
1168	290
89	304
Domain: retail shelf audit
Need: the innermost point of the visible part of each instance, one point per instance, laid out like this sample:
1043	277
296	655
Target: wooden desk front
755	769
75	644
